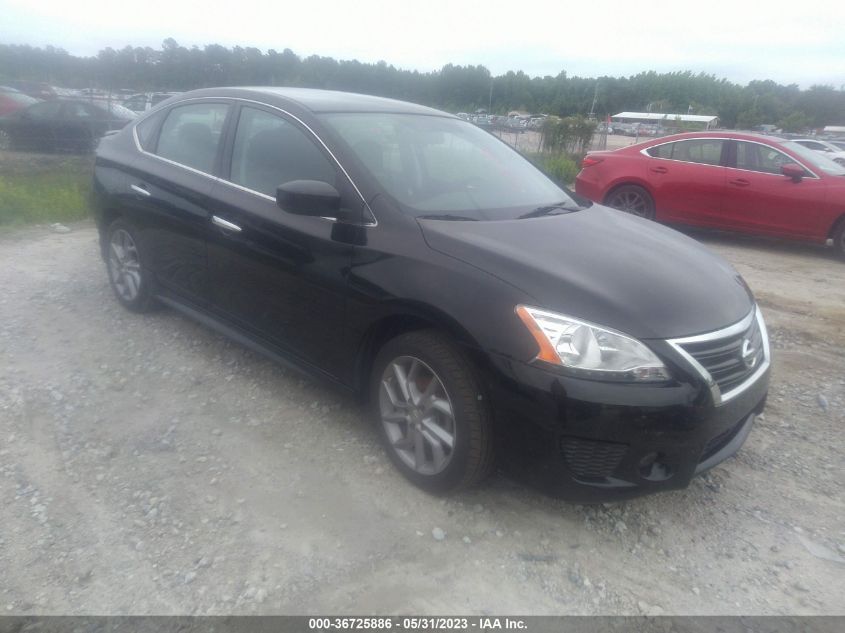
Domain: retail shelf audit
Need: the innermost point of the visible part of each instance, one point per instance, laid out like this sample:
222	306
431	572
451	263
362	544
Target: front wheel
632	199
434	420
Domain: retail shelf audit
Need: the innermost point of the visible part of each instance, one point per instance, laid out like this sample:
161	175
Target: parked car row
144	101
511	122
831	150
74	125
64	120
636	129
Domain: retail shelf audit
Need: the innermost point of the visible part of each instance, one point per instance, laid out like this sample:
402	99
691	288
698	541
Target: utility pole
593	107
490	102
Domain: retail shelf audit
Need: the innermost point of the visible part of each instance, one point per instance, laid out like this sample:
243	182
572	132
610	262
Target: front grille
589	458
730	360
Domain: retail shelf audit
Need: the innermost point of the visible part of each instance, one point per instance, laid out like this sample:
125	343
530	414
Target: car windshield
816	159
442	167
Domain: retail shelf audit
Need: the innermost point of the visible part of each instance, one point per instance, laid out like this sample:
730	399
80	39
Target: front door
763	200
275	274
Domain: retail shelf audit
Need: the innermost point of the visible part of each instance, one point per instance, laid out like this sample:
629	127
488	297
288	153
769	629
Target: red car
12	100
726	180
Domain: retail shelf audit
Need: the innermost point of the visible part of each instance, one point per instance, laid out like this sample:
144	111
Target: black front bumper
588	441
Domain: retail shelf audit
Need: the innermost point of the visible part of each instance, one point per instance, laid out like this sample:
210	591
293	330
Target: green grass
43	189
559	167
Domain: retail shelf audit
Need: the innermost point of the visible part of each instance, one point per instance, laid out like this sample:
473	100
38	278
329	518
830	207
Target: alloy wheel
417	415
124	265
631	202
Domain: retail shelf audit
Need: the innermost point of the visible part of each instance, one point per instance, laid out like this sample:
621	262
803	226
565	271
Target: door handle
740	182
140	189
659	170
225	224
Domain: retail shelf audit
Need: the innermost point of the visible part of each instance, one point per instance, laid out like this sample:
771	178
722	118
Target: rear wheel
631	199
128	278
434	421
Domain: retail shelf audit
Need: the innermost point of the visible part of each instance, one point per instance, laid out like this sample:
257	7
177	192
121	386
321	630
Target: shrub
558	167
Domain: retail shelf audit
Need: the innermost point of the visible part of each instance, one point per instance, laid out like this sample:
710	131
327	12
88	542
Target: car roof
319	101
749	136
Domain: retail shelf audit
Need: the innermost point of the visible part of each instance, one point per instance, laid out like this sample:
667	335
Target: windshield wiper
552	209
446	216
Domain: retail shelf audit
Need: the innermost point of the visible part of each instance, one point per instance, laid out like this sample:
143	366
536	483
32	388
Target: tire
631	199
839	239
125	262
426	355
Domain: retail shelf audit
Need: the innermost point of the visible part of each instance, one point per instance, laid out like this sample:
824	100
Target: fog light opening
652	467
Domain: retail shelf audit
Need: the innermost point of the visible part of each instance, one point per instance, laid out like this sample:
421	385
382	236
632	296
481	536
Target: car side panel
775	205
173	218
282	276
687	192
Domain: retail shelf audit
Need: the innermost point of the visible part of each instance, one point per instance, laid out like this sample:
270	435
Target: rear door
765	201
275	274
688	180
168	191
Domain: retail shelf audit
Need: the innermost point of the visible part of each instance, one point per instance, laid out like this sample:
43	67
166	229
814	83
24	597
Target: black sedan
61	125
487	316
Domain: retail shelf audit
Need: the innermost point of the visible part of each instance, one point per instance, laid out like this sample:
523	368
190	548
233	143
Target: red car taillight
589	161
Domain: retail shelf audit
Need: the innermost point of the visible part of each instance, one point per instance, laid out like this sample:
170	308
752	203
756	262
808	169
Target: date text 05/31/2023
416	623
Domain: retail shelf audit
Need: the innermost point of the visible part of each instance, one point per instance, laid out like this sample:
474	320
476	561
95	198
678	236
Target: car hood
603	266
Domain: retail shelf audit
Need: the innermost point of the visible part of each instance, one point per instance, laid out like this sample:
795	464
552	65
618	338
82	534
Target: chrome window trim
367	208
645	153
720	398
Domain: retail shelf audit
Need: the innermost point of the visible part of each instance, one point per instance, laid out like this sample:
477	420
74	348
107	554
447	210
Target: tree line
454	88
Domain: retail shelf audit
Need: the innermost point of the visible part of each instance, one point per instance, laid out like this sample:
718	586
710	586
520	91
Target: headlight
588	350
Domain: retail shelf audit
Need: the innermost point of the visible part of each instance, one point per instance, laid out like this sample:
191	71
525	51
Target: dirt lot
149	466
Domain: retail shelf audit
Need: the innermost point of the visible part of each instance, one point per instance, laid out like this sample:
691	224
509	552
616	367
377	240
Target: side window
156	99
270	151
661	151
704	151
45	110
814	145
756	157
191	134
146	131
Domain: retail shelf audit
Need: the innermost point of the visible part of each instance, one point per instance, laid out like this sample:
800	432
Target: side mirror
308	197
793	171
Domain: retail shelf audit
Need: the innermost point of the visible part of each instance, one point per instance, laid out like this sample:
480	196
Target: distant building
696	121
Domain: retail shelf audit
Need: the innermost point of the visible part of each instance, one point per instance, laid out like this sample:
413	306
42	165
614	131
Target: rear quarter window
146	131
661	151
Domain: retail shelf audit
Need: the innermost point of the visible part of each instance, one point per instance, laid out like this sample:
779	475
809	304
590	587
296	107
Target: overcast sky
790	42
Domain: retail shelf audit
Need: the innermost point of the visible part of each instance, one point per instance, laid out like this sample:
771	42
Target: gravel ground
148	465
